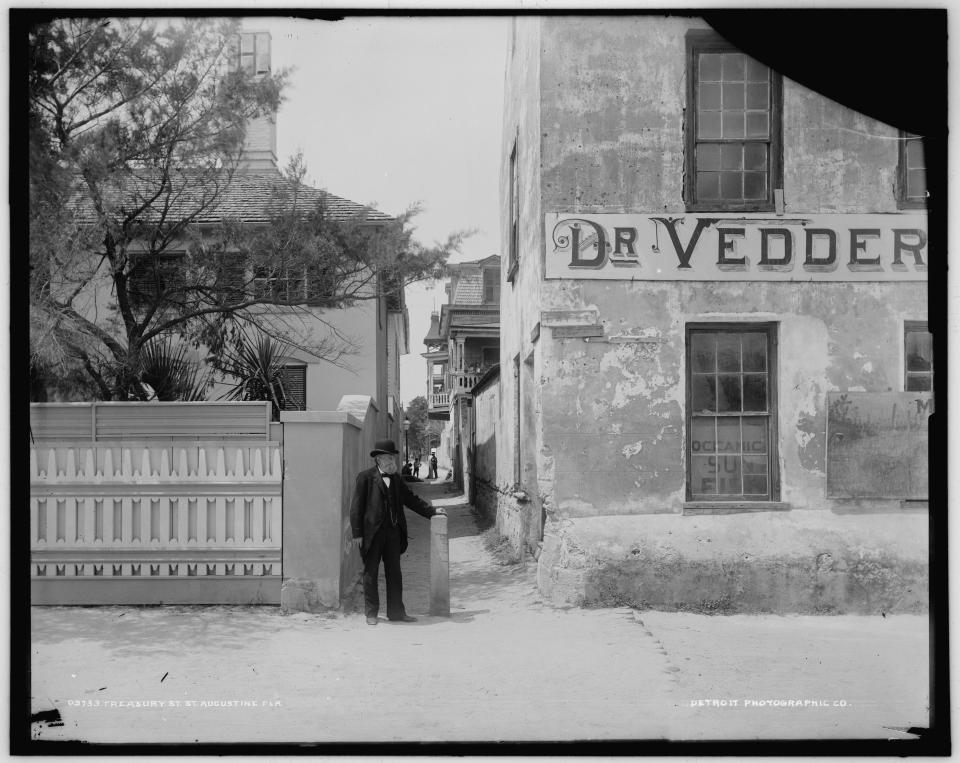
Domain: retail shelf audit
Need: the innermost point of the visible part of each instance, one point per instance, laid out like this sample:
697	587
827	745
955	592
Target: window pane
708	125
754	434
917	183
703	352
733	66
915	154
733	124
710	67
728	352
757	96
755	156
246	43
733	97
702	435
754	392
708	156
755	185
708	185
731	156
758	124
728	393
731	185
919	351
703	393
709	97
757	72
754	352
703	470
728	435
728	475
754	464
919	382
754	484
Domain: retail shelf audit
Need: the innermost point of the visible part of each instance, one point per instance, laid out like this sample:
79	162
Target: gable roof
250	197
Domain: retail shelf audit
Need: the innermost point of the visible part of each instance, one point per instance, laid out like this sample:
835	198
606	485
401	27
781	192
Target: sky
394	111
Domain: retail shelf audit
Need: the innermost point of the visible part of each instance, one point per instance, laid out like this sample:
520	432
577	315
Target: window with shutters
911	173
731	412
514	190
733	152
491	285
231	277
294	381
156	277
251	53
918	357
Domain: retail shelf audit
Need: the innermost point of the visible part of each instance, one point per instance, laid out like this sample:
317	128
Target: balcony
464	382
439	400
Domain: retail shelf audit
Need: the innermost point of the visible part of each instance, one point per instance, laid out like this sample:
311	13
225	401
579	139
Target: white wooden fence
155	521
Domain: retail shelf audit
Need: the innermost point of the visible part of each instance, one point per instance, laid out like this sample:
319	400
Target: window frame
278	274
256	55
771	329
493	274
302	369
173	261
706	40
514	193
904	201
917	327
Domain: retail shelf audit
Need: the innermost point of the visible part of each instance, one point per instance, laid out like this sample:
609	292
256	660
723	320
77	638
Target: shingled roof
250	197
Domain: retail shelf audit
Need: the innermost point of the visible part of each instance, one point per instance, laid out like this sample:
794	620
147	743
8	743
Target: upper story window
514	259
280	284
293	380
157	277
733	131
491	285
252	55
912	173
918	357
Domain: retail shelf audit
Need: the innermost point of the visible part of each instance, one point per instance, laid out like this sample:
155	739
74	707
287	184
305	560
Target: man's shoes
404	619
371	621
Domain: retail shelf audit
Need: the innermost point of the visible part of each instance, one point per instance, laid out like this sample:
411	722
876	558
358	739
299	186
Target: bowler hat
384	447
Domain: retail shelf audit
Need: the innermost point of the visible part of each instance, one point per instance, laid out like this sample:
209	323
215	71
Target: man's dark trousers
385	544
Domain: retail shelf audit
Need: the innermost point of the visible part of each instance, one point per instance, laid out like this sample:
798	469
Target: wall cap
320	417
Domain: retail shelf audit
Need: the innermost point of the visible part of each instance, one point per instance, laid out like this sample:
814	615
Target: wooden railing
464	382
439	400
155	522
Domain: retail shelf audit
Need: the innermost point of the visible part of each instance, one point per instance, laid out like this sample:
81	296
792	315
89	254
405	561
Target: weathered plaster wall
813	562
611	94
520	301
483	464
613	413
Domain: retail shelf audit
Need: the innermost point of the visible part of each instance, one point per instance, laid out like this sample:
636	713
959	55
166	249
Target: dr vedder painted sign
881	247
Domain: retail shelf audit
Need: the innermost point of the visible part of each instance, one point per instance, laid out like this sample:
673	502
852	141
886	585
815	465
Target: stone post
313	450
439	567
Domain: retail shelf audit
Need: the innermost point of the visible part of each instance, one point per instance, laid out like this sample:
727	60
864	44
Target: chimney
260	146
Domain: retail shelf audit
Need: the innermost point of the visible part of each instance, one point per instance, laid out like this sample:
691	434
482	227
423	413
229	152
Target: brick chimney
260	146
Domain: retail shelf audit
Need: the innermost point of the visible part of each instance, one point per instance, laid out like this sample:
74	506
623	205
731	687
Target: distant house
463	344
376	328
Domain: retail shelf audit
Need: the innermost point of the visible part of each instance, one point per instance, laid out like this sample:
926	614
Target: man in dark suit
380	529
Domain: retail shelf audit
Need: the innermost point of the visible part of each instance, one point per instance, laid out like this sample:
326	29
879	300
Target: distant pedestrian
416	466
379	527
433	465
407	470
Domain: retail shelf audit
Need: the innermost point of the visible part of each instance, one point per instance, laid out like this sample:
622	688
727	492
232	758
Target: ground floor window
294	379
731	412
918	357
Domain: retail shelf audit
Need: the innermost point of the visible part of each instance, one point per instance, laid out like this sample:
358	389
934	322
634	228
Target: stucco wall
483	462
609	416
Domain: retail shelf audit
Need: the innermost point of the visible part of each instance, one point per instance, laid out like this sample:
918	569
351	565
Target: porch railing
439	399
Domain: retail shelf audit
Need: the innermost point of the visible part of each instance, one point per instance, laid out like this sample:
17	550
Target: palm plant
172	375
257	365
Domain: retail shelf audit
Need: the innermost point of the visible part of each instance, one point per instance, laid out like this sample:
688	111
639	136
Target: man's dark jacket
371	504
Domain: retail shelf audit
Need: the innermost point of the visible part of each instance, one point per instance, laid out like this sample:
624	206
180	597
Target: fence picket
108	464
183	509
183	473
90	525
220	537
257	455
239	472
221	464
277	469
257	522
164	464
126	465
35	521
145	468
70	521
70	471
52	465
89	465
